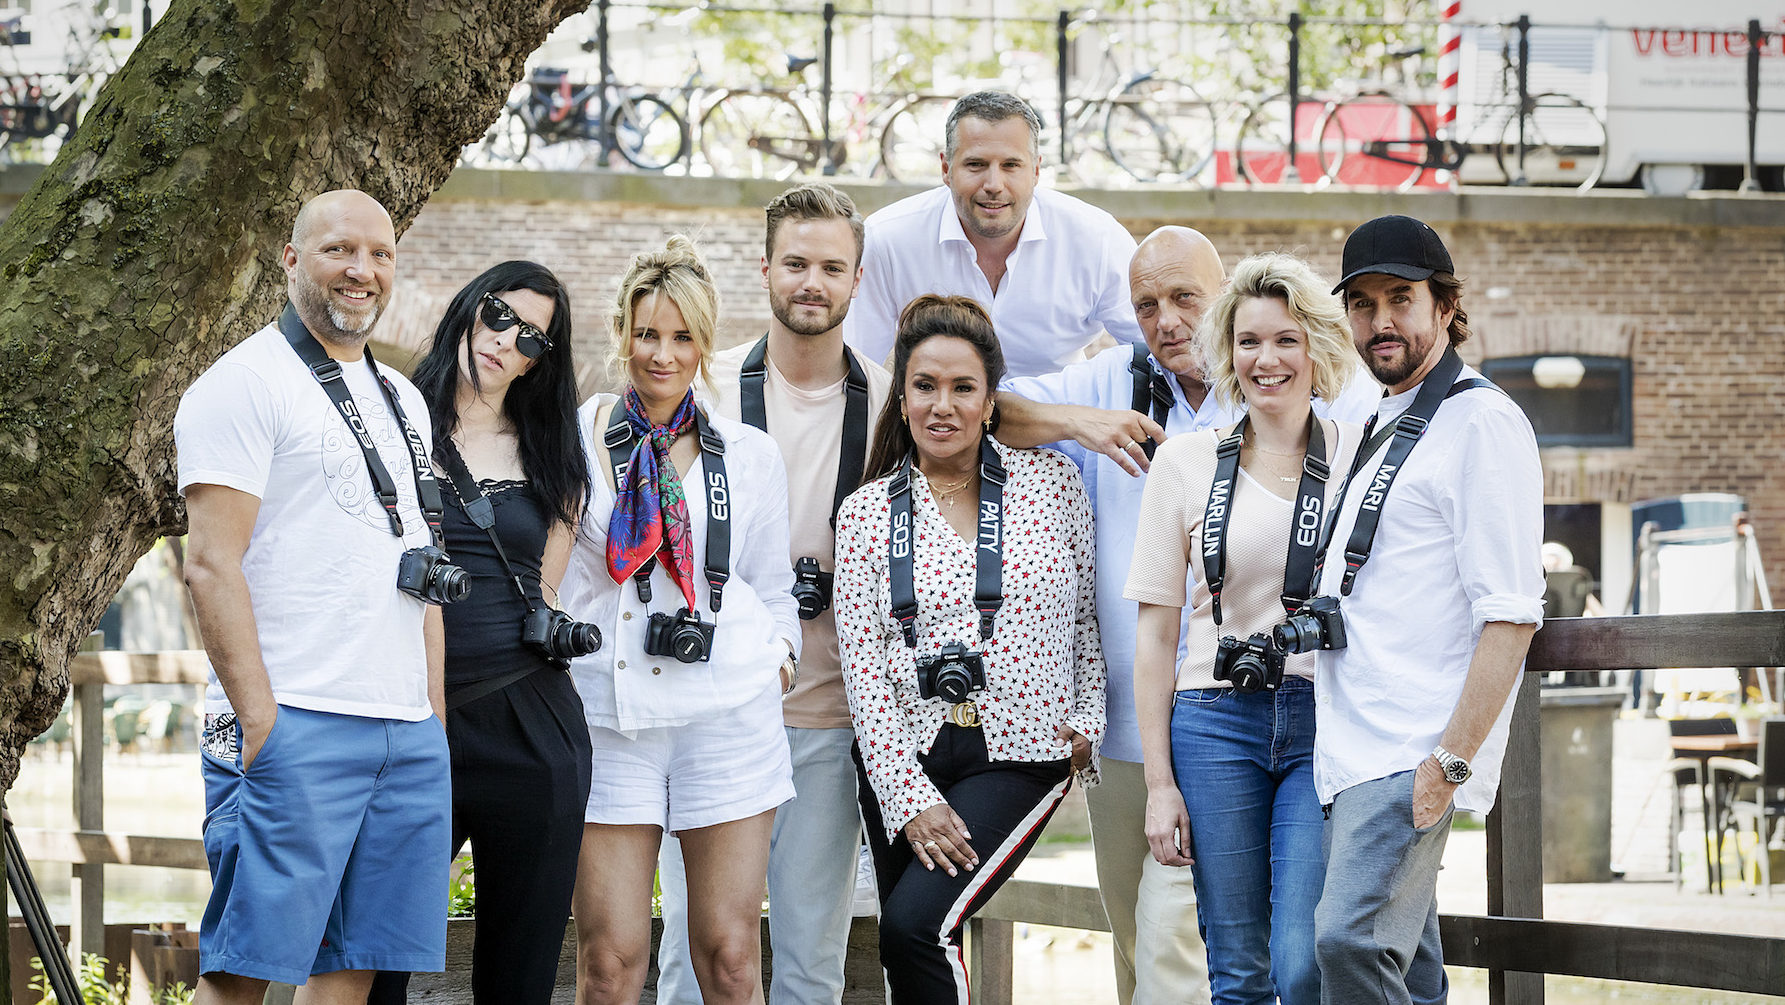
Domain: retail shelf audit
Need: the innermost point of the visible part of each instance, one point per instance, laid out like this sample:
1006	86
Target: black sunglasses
499	317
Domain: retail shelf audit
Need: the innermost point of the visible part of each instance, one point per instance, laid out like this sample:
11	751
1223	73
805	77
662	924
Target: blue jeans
1245	764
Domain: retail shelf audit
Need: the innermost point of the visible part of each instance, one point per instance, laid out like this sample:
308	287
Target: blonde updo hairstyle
1318	313
678	272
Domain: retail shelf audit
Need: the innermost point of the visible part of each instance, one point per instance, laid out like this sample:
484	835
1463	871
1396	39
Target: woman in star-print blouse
963	787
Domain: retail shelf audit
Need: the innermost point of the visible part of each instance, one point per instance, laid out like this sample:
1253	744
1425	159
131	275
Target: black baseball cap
1396	246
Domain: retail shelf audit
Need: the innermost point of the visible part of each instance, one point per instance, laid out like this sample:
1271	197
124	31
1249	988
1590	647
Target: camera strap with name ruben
988	561
1304	538
854	453
620	442
327	372
1150	389
1436	389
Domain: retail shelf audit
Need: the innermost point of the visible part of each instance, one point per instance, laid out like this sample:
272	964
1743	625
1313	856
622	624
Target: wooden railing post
991	960
86	928
1515	840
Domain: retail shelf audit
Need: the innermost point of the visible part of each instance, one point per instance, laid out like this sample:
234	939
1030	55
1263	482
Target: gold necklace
945	493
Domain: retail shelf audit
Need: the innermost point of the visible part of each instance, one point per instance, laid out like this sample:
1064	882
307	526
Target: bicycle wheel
1564	143
757	134
648	132
1261	147
1159	129
504	145
1373	140
911	144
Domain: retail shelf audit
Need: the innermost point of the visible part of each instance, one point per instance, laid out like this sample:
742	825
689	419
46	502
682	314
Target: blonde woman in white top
683	702
1228	749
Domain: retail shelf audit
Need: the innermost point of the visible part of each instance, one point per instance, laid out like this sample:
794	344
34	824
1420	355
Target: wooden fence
1512	942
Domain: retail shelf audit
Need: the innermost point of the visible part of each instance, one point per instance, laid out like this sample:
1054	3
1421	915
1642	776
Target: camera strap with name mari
1150	388
1304	538
620	441
327	372
754	411
988	552
1435	390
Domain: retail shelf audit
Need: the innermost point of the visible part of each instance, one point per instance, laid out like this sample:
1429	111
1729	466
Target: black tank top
483	631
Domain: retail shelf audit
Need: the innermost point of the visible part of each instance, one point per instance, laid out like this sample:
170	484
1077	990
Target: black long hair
541	402
923	318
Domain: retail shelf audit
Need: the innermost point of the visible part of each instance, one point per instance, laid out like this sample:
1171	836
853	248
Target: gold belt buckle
965	715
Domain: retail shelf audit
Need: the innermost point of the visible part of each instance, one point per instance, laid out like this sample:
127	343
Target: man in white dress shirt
1051	270
1438	611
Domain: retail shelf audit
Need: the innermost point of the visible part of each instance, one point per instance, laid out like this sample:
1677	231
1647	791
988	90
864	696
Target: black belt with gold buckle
965	714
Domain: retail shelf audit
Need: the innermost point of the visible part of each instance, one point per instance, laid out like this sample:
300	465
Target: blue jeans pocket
1203	695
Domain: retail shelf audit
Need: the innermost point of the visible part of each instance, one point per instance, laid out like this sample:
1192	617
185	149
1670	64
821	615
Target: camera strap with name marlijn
988	561
620	442
754	411
482	513
1150	388
1436	389
1304	537
327	372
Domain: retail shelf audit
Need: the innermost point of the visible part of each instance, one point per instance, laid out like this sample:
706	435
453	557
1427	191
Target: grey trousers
1376	929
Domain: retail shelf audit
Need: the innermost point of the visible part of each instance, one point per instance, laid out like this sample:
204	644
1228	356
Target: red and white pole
1450	44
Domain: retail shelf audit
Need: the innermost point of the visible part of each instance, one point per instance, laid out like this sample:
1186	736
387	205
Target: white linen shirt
1457	546
1066	282
623	688
1043	663
1105	381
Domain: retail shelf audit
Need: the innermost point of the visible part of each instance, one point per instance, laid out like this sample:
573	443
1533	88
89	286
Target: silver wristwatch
1456	770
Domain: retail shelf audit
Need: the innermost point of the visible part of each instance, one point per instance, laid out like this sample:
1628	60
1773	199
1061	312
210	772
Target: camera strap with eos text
327	371
988	552
1436	389
620	441
854	453
1304	539
1151	388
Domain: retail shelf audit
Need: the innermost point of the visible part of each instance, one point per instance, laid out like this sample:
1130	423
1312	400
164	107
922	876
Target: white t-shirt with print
335	633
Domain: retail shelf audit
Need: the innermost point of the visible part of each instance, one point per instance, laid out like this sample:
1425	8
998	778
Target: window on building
1578	401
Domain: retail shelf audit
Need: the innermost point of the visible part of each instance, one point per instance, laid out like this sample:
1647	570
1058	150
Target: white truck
1667	79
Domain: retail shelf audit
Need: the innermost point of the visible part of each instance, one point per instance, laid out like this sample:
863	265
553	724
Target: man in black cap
1434	561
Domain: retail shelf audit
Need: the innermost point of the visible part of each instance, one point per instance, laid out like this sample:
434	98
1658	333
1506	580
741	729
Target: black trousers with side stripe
924	913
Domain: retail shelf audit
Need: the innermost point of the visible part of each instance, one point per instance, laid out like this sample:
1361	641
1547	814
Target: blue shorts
331	851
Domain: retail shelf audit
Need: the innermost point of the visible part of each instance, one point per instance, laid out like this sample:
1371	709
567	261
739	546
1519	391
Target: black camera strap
479	508
327	372
620	442
854	453
988	551
1151	390
1304	538
1437	388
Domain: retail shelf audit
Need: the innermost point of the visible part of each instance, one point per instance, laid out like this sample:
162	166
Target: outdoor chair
1751	796
1700	779
1685	780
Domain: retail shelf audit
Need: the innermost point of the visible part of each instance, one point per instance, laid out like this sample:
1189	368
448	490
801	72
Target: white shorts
730	767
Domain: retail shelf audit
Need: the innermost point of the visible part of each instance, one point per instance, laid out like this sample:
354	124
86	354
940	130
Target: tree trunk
151	245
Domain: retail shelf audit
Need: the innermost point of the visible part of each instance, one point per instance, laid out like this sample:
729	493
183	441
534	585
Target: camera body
1317	625
952	674
557	636
683	636
430	577
1251	666
811	588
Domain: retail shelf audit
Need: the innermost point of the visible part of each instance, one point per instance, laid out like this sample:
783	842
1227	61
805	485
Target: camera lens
953	683
451	583
686	643
574	638
1247	673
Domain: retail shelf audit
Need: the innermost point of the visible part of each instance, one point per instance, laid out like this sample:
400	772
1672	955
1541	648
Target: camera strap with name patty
327	371
754	411
1304	537
620	441
988	551
1435	390
1151	388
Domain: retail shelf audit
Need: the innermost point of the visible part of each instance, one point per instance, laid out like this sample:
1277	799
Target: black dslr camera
683	636
430	577
811	588
556	636
1317	625
952	674
1252	666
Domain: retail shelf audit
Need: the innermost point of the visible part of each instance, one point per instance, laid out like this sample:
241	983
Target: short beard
325	319
1392	374
783	312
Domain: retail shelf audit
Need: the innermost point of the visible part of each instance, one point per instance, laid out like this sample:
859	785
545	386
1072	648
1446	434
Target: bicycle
33	108
550	121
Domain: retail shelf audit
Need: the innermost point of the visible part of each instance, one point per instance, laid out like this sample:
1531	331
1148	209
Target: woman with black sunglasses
501	390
